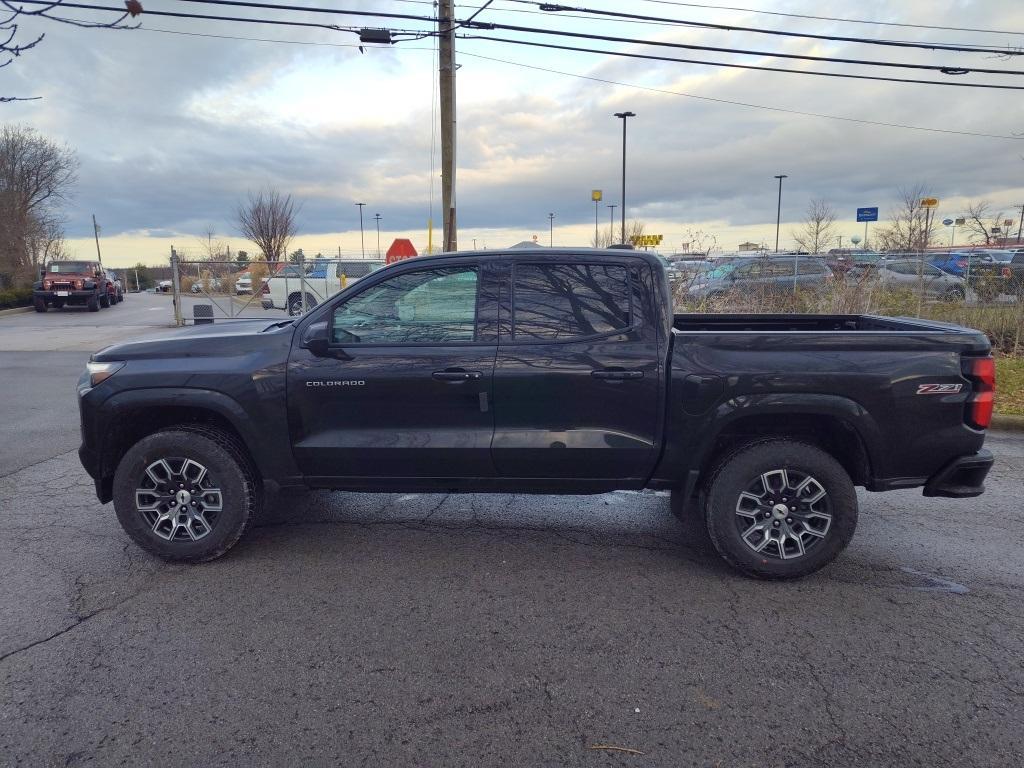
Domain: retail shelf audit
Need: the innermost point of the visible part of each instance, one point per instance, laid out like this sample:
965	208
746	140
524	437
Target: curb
1004	422
16	310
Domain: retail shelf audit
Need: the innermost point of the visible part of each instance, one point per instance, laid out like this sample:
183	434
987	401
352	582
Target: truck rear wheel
780	509
105	300
186	493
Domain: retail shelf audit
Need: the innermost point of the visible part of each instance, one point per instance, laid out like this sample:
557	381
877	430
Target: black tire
745	468
956	293
295	304
39	304
228	465
105	300
93	303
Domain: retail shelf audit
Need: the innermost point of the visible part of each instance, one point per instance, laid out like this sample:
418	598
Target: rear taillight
961	264
982	373
265	288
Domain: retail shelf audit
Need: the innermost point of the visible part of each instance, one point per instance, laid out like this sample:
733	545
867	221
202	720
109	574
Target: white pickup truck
291	291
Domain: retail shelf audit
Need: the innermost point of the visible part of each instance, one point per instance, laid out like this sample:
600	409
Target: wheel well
833	435
140	422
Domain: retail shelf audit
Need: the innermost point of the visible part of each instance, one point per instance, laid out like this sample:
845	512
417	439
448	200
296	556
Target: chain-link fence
207	290
982	289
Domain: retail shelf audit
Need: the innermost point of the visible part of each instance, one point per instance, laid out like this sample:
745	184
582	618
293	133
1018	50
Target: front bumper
961	478
82	295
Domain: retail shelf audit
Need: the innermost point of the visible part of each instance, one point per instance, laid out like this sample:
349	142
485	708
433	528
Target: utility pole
551	230
446	73
96	234
778	212
377	217
1020	228
362	240
624	116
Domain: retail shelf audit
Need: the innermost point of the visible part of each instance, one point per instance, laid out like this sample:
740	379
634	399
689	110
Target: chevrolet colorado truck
544	371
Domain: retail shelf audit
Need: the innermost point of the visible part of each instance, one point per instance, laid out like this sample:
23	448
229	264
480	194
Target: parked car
164	286
243	284
959	262
71	283
539	371
207	285
323	279
771	274
914	275
997	278
115	288
286	273
841	260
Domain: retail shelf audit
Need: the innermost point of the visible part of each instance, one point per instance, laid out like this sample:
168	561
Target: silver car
912	275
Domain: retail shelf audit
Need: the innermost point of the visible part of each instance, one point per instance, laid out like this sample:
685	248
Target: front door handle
456	375
618	375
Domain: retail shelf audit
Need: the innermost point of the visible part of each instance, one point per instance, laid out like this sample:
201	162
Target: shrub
15	297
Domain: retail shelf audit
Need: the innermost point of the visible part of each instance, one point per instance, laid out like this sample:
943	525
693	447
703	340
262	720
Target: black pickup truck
544	371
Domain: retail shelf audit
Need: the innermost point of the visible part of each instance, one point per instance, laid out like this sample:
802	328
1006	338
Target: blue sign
867	214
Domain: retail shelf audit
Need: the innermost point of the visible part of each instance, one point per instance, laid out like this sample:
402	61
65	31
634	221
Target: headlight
100	372
78	285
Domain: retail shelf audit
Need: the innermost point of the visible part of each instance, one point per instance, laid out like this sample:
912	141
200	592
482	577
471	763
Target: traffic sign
595	195
867	214
960	221
947	222
929	202
645	241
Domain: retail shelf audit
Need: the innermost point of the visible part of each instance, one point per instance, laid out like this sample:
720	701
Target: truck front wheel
780	509
186	493
39	304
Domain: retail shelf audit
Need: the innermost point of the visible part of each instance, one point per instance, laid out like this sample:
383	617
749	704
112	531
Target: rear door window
554	302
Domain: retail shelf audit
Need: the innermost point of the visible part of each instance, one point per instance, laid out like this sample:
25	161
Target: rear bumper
961	478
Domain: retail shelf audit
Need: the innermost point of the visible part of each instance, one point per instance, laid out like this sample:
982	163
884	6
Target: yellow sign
645	241
929	202
595	195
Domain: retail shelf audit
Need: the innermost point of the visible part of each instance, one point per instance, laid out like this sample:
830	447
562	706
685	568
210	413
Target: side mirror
316	339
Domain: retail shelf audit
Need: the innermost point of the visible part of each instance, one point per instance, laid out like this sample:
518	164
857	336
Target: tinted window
810	268
903	267
434	306
779	268
560	301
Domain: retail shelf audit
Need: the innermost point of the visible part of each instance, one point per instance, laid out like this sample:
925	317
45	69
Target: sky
176	121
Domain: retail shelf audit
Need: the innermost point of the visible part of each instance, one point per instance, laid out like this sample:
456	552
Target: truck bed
761	323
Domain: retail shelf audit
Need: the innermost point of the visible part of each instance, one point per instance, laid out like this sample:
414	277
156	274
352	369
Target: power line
748	105
825	18
783	110
946	69
652	57
551	8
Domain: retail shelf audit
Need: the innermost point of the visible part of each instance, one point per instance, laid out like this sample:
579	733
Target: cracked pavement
423	629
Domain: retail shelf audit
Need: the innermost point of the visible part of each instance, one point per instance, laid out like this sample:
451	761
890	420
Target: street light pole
377	217
778	212
611	231
362	241
551	230
596	202
624	116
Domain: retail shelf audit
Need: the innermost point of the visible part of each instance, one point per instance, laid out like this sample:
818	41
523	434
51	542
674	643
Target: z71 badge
939	389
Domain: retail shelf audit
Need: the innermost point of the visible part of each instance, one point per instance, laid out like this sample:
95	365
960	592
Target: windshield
70	267
722	270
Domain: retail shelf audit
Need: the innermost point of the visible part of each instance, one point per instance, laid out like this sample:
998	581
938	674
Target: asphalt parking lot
478	630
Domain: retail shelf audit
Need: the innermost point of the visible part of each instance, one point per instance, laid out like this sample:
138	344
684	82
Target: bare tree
819	227
268	220
213	248
909	228
979	221
698	241
36	178
604	239
10	48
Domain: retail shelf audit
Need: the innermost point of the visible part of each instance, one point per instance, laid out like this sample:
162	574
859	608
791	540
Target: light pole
778	212
362	242
611	232
624	116
377	217
551	230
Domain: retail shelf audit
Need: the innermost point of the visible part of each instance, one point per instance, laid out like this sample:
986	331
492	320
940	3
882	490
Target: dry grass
1010	386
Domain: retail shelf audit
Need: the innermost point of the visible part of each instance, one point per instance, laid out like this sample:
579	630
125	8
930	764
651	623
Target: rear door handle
453	375
617	375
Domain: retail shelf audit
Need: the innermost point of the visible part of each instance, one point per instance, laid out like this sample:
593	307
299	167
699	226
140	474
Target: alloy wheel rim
783	514
179	499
